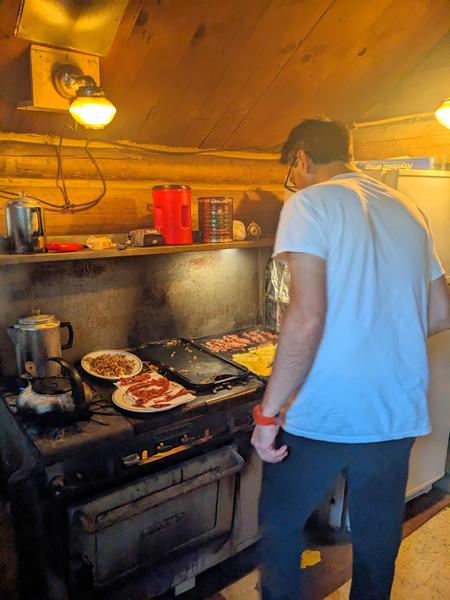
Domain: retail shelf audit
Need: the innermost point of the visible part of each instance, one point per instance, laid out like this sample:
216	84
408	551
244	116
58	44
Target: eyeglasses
289	184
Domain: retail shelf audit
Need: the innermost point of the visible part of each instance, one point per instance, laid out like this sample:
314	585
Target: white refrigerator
430	190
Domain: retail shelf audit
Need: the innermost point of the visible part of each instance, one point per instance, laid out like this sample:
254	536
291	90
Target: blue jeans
376	477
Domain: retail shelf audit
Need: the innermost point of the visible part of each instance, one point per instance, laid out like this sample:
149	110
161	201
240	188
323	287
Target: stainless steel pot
25	226
36	338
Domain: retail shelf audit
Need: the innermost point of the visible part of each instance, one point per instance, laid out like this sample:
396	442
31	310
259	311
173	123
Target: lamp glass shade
92	112
442	114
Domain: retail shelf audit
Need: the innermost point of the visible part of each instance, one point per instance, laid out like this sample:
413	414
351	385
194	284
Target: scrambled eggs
258	360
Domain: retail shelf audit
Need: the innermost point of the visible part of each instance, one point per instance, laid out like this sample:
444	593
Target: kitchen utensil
64	247
172	213
145	237
137	368
36	338
215	218
192	365
65	395
25	226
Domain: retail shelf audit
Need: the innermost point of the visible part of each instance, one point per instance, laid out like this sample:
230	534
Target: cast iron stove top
107	429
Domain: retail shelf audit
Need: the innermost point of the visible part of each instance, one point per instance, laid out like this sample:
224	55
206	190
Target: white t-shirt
369	380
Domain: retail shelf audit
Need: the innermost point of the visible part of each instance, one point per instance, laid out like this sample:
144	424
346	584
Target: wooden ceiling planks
343	64
267	51
409	34
222	73
184	112
291	95
149	65
422	89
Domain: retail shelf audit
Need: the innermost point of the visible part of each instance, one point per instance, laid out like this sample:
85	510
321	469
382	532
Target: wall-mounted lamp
89	107
442	113
58	76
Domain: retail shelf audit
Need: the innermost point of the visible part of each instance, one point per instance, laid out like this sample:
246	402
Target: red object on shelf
64	247
172	213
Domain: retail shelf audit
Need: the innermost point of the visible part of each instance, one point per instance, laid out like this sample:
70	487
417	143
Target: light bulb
93	112
442	113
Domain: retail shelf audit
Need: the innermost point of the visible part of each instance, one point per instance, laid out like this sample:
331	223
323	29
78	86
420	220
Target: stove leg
189	584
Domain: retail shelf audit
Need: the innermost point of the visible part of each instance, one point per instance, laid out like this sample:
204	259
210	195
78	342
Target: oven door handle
122	513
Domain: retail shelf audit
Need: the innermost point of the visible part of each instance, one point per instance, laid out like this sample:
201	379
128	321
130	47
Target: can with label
215	218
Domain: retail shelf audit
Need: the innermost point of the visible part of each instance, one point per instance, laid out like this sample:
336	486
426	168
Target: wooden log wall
415	139
28	163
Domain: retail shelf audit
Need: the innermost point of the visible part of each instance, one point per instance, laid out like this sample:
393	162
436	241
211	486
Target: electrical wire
61	183
60	173
87	205
16	195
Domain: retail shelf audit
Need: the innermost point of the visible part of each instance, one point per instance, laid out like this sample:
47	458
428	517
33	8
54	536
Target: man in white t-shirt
348	391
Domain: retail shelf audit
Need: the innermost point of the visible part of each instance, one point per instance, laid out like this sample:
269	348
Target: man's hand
263	440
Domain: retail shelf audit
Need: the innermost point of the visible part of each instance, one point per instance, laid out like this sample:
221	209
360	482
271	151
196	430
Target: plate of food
149	393
111	364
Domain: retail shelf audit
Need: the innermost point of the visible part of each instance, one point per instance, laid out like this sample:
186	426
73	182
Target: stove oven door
143	522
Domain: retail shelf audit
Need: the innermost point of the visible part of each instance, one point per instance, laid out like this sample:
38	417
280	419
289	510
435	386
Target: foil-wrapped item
277	281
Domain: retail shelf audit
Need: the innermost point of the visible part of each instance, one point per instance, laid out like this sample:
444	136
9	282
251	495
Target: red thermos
172	213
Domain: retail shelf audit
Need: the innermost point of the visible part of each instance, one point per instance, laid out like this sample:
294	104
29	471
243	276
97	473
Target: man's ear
305	161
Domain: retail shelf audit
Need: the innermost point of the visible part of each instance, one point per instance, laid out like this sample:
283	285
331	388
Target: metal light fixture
442	113
89	106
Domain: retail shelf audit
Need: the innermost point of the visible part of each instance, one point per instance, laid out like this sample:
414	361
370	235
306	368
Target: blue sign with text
400	164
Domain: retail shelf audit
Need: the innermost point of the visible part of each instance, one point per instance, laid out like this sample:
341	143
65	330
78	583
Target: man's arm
299	340
438	306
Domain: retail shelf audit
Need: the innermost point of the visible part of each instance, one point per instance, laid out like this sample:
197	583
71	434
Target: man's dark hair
322	140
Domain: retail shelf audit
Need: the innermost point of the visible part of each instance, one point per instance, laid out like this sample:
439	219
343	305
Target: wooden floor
422	573
423	564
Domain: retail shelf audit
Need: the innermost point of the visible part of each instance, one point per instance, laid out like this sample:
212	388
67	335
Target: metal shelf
21	259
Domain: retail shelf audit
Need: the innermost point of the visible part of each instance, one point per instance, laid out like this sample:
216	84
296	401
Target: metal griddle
195	367
228	354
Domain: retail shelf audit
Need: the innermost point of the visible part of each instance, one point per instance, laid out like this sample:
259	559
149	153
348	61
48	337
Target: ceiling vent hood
88	26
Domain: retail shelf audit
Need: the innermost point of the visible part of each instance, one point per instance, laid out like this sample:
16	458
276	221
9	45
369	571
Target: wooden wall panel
39	160
424	138
256	184
123	209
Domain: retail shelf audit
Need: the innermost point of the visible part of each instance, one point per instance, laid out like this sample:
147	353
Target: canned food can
215	218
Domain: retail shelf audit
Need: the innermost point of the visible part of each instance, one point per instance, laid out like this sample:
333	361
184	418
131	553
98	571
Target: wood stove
116	505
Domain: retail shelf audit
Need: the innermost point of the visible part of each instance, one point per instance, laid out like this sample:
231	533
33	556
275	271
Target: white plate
136	369
121	400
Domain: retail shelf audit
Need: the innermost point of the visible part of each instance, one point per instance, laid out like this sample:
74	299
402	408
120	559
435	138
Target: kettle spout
14	334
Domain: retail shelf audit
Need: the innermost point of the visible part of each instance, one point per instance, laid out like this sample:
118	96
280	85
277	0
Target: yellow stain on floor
310	558
422	570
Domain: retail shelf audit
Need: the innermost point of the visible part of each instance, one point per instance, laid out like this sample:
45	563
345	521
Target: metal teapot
60	398
36	338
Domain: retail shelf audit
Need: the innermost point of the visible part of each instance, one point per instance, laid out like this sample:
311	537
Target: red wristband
260	419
